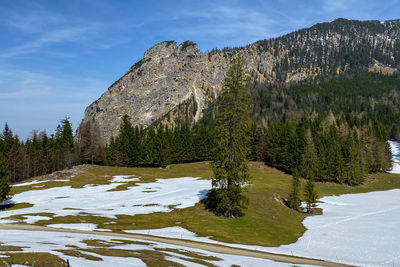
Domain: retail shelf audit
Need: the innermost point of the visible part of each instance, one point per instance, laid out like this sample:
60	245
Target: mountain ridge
172	81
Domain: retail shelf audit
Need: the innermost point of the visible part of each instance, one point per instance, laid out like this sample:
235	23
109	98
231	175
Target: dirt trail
185	243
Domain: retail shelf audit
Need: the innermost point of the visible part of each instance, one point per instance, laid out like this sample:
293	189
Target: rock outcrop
178	80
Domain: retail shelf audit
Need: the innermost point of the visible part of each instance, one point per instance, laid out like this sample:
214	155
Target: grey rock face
166	76
171	74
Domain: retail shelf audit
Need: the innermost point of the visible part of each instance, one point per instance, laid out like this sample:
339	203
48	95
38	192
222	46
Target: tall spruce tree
309	162
4	177
232	135
294	200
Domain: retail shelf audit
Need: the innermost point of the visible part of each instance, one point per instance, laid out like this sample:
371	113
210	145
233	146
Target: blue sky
56	57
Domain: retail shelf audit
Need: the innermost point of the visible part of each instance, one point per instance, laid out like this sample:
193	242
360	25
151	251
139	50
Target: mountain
177	82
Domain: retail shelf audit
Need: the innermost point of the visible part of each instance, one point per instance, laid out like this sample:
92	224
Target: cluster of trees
310	193
159	146
362	97
4	176
39	154
327	148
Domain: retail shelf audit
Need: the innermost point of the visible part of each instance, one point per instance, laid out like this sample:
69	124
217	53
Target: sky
57	57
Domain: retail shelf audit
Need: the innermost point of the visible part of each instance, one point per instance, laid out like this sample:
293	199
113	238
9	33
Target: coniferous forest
331	130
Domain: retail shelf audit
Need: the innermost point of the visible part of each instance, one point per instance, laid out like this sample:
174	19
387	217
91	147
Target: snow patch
40	182
355	229
124	179
164	195
34	218
39	241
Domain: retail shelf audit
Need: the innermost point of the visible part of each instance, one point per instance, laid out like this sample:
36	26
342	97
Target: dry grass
10	248
33	259
79	254
267	222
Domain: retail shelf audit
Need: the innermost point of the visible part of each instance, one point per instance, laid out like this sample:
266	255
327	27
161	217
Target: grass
79	254
17	206
36	259
267	221
10	248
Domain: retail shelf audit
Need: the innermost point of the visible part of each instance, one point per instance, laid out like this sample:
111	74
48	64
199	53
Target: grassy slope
267	221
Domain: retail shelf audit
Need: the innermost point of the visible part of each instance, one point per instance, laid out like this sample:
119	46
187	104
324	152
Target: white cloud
39	28
56	36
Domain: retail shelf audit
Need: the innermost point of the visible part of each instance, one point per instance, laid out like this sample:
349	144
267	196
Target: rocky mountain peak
174	83
161	50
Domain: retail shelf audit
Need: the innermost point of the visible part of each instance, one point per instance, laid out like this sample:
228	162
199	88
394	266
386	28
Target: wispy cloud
237	24
41	28
73	34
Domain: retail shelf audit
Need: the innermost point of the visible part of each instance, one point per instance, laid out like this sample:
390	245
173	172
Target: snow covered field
357	229
35	241
163	195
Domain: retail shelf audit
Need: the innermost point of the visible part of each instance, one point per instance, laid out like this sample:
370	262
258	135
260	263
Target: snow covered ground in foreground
395	147
35	241
160	196
359	229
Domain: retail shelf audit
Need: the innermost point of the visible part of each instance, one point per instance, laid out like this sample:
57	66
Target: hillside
174	82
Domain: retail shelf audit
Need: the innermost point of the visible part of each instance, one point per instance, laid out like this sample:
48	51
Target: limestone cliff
167	76
173	80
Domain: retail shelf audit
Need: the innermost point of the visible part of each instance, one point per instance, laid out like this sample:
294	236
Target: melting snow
75	226
98	200
38	241
39	182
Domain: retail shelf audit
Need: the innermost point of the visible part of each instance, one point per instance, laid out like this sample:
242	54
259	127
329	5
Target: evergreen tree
124	143
309	163
310	193
4	178
231	134
294	200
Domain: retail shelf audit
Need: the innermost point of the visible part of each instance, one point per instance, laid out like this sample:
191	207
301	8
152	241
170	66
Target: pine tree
294	200
4	177
310	193
309	162
124	143
232	144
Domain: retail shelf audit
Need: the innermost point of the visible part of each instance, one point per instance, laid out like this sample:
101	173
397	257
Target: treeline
327	148
340	126
361	97
159	146
39	154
